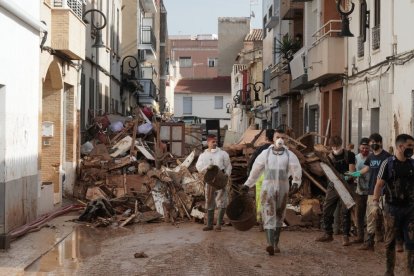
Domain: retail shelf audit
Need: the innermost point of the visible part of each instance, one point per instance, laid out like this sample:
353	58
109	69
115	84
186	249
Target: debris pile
304	208
138	170
131	171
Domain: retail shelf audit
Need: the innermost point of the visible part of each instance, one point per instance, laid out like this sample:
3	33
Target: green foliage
287	47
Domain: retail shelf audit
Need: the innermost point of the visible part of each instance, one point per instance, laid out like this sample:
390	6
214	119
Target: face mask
337	152
408	152
375	146
213	150
279	143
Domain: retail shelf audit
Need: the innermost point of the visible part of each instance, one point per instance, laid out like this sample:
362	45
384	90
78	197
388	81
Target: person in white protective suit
214	198
278	164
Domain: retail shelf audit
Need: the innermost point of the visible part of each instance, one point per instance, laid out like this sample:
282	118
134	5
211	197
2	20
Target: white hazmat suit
220	158
277	167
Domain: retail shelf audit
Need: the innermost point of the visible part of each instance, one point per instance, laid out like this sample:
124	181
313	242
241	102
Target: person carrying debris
372	166
269	141
343	161
396	179
214	198
277	163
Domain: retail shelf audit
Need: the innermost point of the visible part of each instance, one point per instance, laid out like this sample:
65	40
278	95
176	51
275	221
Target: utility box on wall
47	129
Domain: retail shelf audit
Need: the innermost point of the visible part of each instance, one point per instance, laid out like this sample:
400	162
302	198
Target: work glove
244	189
375	210
346	177
353	174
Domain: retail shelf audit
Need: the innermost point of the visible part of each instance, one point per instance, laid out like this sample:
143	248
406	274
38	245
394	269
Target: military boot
270	235
359	238
410	262
277	236
220	219
369	243
390	254
325	238
210	218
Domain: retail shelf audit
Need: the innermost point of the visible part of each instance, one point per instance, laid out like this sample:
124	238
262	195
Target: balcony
273	20
148	41
67	29
326	57
284	84
290	10
150	6
148	93
298	68
376	37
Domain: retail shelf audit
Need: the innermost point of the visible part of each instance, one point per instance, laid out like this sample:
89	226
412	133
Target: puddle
84	242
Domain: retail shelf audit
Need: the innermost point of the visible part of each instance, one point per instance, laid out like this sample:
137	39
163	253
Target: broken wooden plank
128	220
339	185
122	146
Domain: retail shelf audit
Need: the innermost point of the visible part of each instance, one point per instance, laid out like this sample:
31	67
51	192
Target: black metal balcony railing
376	37
75	5
148	37
149	88
360	46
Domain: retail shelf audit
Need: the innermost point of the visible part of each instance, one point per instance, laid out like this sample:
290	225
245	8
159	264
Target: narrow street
186	250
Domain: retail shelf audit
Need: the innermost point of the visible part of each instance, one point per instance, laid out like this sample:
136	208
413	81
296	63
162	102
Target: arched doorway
51	129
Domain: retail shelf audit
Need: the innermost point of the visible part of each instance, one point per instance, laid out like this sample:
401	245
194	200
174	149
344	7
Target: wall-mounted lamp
130	80
96	28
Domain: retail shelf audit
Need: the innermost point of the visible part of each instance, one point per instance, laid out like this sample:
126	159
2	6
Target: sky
192	17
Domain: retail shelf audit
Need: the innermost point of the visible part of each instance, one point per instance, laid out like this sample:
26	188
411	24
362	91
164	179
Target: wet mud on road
186	250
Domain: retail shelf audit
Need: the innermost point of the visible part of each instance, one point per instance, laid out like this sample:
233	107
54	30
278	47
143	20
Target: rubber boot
210	218
390	254
277	236
220	219
369	243
410	262
270	235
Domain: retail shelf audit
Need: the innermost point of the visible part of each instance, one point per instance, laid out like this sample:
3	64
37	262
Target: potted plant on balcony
287	47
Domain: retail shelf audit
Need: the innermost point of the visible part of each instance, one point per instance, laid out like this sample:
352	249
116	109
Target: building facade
19	114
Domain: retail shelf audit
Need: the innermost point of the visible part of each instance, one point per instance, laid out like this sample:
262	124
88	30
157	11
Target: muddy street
186	250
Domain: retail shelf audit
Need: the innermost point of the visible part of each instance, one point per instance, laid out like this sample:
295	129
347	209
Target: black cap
364	141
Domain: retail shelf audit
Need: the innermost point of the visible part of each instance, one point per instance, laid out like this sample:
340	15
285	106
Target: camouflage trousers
398	219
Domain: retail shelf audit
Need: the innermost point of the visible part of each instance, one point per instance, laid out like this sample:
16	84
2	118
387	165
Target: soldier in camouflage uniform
397	176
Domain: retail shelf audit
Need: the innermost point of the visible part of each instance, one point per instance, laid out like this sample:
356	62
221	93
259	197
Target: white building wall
19	105
203	107
388	87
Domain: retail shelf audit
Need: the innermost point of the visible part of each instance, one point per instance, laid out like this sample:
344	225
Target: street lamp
256	89
129	80
96	28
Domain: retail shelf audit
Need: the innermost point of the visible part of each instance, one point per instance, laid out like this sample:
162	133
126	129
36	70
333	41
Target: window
187	105
83	103
264	26
91	99
377	15
185	62
363	18
212	62
218	102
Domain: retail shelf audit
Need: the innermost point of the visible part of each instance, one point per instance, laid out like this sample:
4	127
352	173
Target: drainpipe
391	80
345	98
20	13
